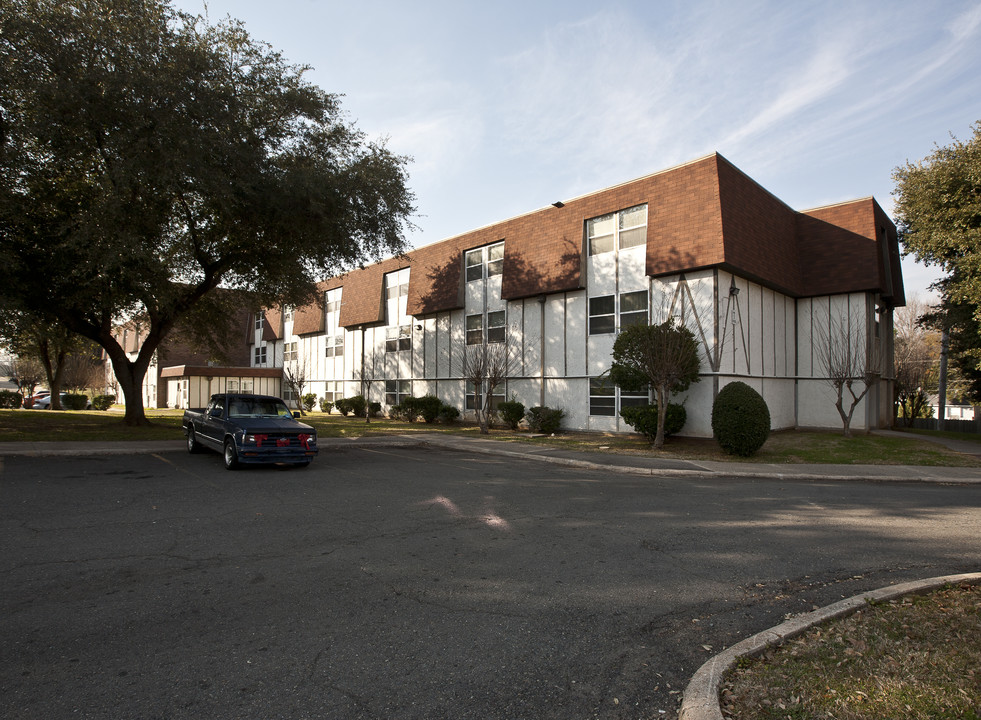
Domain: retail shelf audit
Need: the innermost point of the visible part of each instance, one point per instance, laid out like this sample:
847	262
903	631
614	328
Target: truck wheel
231	455
193	446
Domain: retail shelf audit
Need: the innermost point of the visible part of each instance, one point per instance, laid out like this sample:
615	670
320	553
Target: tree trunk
130	374
662	413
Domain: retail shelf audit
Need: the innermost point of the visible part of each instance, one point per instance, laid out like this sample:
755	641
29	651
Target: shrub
358	405
74	402
402	411
103	402
428	406
10	399
326	405
643	419
374	408
343	406
309	400
545	419
448	414
740	419
512	412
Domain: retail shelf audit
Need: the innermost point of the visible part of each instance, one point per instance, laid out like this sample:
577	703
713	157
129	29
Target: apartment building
764	288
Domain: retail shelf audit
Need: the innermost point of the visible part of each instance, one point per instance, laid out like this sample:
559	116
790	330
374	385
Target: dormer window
484	262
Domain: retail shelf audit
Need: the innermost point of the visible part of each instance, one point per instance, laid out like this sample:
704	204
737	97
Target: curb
701	698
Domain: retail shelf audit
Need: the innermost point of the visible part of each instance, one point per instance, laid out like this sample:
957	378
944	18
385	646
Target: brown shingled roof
706	213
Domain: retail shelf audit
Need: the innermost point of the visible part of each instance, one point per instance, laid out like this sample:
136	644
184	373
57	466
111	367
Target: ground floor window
396	391
333	390
606	399
475	397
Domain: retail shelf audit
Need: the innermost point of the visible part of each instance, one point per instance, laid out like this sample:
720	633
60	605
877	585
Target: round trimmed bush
740	419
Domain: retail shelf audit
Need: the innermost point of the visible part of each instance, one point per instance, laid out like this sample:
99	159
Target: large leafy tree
938	214
664	357
148	158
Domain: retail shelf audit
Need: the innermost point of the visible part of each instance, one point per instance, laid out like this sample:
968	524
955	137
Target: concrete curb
701	698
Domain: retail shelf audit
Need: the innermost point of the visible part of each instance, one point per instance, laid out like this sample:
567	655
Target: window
332	301
287	312
624	229
603	312
259	356
633	308
258	322
333	390
496	330
289	352
602	397
398	338
484	262
475	398
602	315
335	345
396	391
475	329
397	284
605	398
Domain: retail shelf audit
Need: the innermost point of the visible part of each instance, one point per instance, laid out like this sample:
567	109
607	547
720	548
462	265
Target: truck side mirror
297	414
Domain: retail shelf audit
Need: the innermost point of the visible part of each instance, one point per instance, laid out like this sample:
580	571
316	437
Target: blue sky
506	107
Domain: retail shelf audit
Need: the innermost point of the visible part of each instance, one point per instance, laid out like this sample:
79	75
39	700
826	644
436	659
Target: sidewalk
632	464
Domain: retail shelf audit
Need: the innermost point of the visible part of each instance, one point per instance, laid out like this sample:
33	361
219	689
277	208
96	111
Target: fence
964	426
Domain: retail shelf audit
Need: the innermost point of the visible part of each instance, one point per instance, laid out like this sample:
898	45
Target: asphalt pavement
703	688
632	464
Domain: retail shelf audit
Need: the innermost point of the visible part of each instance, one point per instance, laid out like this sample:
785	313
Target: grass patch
914	658
783	447
86	426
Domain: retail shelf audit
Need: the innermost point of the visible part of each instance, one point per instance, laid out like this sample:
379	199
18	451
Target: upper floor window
335	345
397	284
623	229
289	352
260	355
486	261
475	329
287	312
258	321
332	301
398	338
630	308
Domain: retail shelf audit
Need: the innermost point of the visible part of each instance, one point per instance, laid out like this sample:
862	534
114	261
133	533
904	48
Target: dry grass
915	658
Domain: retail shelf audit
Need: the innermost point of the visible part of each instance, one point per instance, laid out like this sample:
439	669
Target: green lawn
789	446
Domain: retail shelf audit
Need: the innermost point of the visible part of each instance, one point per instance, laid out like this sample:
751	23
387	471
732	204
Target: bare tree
295	376
917	354
26	372
83	368
366	376
852	362
487	367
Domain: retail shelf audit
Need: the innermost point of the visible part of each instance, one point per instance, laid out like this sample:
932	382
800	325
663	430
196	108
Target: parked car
31	399
250	429
45	402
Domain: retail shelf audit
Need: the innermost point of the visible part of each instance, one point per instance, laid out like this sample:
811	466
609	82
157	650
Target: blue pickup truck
250	429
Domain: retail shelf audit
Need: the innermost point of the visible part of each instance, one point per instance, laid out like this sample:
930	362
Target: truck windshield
244	407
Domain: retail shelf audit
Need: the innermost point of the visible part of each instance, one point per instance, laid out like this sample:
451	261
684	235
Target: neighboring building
181	376
761	285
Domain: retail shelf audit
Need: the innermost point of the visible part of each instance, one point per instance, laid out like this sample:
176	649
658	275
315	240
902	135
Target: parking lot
415	583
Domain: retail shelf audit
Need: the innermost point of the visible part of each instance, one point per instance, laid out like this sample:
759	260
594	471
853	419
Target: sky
507	107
